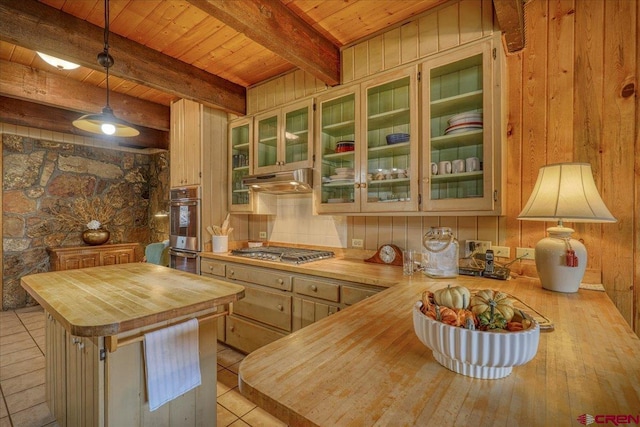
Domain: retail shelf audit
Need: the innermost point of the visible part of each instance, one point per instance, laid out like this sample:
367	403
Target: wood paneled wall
572	97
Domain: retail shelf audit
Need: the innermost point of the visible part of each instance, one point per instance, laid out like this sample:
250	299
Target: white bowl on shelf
477	354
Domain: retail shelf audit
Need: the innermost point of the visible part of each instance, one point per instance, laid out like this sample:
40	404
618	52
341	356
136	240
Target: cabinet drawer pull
314	288
356	185
280	281
75	340
231	273
363	185
280	307
232	328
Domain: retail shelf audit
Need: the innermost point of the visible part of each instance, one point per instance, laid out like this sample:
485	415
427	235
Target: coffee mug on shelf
444	167
472	164
434	168
457	166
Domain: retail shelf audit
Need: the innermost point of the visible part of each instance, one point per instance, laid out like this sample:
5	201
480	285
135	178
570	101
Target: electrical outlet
501	251
479	246
357	243
263	234
525	253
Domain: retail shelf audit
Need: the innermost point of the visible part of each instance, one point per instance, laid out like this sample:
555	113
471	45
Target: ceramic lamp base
551	261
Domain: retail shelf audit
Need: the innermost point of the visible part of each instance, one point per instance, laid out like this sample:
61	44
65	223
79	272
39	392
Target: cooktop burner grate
283	254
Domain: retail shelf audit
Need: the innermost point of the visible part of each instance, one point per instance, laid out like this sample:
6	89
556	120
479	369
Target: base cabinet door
248	336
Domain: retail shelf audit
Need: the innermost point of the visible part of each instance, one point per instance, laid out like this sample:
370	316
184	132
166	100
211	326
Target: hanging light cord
104	58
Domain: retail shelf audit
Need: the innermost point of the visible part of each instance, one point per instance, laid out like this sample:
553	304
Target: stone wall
44	178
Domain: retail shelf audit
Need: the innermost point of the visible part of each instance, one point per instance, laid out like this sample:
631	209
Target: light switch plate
263	234
525	253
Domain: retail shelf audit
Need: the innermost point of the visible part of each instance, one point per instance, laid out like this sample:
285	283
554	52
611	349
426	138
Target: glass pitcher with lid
440	253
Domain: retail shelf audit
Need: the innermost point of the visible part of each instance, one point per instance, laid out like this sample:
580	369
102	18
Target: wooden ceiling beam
43	87
510	14
39	27
274	26
25	113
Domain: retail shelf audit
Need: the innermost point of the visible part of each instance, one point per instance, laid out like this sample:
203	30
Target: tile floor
22	401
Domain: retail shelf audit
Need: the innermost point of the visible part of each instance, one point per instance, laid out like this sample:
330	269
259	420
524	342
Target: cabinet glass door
338	173
389	160
240	150
266	150
297	139
459	123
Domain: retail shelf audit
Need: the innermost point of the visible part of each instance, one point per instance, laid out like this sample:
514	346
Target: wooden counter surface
104	301
339	268
364	366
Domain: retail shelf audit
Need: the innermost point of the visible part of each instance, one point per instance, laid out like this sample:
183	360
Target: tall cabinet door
240	137
462	130
389	155
337	174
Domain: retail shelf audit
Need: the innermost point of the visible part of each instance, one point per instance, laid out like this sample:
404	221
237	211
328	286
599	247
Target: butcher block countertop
339	268
364	366
106	301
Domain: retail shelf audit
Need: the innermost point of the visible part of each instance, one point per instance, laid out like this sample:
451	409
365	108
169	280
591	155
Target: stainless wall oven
185	240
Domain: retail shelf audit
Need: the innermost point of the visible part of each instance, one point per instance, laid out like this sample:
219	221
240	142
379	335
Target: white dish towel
172	362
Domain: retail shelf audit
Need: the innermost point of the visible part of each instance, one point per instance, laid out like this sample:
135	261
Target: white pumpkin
453	297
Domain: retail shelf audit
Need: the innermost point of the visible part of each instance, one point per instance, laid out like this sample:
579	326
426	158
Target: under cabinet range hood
291	182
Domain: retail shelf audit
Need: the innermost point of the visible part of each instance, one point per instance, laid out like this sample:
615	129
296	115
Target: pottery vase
95	237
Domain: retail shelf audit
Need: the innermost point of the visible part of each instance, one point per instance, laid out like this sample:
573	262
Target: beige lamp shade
566	191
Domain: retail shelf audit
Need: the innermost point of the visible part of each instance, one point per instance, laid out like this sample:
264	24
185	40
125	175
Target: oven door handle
185	203
183	254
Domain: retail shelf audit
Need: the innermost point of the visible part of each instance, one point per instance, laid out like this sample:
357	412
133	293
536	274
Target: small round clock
388	254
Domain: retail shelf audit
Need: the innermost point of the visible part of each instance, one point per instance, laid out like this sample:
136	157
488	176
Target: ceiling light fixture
105	123
60	64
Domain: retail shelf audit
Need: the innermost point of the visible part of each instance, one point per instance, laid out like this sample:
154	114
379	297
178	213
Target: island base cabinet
84	389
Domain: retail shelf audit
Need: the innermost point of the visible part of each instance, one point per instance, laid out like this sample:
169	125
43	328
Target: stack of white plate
343	174
464	122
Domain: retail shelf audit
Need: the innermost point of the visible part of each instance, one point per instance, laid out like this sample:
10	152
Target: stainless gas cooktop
283	254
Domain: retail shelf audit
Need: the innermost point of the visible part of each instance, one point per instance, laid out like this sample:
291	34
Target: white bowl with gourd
479	335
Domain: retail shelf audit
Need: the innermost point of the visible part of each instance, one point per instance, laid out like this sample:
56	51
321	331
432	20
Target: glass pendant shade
563	192
60	64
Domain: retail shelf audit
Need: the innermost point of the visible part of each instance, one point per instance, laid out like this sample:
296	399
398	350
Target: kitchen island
365	366
96	321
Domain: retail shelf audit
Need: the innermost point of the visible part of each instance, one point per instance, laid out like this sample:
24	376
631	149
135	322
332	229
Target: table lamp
563	192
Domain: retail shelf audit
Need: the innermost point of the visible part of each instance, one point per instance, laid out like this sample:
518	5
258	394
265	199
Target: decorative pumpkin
466	316
446	315
485	300
492	320
453	297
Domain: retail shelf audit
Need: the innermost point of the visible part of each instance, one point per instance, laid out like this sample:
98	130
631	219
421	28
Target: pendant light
105	123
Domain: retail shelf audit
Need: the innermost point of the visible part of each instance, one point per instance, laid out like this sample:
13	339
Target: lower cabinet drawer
260	276
351	294
215	268
247	336
316	288
271	308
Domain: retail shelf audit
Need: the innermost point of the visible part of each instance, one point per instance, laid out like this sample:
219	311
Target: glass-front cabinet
283	138
368	147
337	174
461	126
240	137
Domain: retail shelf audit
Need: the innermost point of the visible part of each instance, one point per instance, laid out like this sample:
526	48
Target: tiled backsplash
295	223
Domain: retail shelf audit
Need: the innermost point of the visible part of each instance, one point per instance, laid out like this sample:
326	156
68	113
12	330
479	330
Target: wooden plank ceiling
206	50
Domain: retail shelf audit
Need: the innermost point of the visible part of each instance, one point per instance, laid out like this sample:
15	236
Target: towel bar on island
113	343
